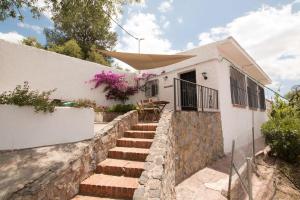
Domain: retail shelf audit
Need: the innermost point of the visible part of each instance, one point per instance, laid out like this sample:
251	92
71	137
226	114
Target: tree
69	48
12	8
32	41
84	21
94	56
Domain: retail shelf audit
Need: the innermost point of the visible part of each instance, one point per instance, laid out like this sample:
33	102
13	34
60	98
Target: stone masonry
198	141
63	183
158	179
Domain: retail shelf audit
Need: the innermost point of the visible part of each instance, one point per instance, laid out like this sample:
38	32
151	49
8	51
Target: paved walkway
208	183
22	167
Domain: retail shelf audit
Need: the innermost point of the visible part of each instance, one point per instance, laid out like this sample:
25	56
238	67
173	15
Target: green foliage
23	96
12	8
122	108
32	41
69	48
85	22
84	103
96	57
282	131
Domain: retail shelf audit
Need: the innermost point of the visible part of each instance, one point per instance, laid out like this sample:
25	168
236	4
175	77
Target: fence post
249	177
230	170
253	138
174	85
202	99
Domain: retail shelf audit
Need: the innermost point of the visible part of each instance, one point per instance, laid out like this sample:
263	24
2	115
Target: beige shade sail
146	61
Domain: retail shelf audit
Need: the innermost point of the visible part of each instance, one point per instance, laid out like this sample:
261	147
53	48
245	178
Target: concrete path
206	184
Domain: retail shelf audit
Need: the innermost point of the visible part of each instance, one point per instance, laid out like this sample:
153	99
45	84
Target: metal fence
242	165
191	96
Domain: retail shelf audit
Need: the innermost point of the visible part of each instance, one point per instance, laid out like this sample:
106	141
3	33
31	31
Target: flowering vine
116	86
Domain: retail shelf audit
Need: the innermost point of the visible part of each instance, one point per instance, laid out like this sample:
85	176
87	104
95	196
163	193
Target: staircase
117	176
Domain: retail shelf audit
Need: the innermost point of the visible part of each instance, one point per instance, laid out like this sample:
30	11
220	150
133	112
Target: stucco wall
21	127
198	141
236	121
166	88
45	70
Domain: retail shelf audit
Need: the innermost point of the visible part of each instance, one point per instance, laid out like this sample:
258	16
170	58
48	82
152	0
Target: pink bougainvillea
116	86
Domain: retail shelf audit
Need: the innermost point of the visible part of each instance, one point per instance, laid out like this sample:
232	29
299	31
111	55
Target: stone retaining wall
158	179
198	141
184	143
63	182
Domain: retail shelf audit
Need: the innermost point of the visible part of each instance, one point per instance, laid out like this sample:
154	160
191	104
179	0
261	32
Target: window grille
262	99
252	93
238	87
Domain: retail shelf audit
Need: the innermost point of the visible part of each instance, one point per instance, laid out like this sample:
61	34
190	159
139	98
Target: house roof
146	61
233	52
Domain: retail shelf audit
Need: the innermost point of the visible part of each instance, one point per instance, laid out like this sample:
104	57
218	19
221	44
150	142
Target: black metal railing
191	96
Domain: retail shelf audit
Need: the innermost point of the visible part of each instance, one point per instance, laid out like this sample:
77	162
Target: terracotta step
145	126
102	185
139	134
126	153
81	197
134	142
121	167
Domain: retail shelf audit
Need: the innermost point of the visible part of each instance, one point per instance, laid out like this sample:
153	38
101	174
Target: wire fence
242	166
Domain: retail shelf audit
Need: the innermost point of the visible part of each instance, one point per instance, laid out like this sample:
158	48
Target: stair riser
144	127
105	191
136	144
139	135
127	156
119	171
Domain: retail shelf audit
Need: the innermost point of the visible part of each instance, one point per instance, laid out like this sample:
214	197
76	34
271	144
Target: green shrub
122	108
84	103
282	131
23	96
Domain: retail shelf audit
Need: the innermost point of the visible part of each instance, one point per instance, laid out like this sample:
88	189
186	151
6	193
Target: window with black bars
151	89
262	99
238	87
252	94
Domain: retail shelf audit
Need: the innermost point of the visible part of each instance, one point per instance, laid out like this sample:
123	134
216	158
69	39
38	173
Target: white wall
21	127
45	70
236	121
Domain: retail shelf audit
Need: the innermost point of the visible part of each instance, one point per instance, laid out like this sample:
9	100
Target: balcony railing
194	97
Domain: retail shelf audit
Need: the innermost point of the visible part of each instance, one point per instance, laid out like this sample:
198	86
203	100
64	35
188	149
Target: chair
146	109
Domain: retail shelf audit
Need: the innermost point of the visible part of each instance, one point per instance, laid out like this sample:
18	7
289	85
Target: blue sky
269	30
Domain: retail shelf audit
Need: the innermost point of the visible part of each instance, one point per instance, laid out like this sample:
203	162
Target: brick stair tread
111	181
122	163
139	131
130	150
147	124
82	197
136	139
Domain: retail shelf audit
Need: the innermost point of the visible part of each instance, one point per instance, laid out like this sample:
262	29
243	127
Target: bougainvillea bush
115	85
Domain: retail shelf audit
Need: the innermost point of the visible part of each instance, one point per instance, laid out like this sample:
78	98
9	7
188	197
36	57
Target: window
252	93
262	99
151	89
238	87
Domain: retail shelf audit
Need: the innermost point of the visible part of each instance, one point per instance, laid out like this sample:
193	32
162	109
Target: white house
226	67
220	77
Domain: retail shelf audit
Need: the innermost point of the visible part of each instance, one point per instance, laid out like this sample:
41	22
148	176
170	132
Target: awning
146	61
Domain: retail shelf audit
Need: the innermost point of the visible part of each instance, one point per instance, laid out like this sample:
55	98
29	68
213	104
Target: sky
269	30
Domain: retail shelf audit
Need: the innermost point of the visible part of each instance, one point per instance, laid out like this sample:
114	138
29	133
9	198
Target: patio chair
146	109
